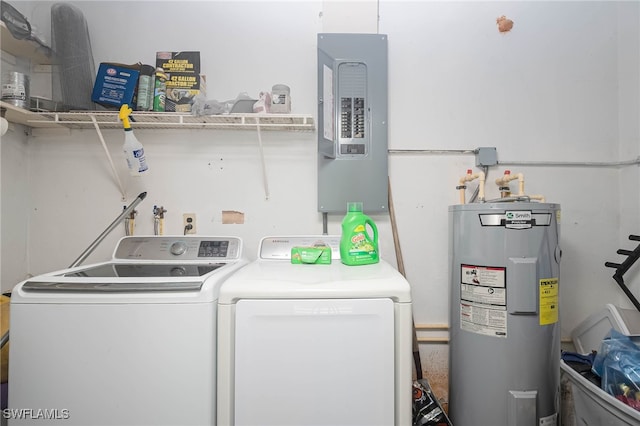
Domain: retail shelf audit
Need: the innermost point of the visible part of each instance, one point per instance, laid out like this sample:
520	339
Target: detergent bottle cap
353	206
124	114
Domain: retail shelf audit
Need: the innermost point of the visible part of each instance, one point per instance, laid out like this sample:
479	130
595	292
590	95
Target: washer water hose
158	220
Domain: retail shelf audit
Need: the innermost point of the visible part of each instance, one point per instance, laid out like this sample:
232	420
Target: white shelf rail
155	120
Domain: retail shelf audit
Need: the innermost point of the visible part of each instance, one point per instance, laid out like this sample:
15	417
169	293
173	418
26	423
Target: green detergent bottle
357	247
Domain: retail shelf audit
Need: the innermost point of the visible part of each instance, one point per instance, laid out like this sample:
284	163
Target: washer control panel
178	247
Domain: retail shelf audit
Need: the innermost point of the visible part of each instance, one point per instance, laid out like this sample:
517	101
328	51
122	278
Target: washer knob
178	271
178	248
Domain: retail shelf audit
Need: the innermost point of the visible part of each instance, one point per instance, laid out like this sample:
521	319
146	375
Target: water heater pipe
503	184
470	176
537	197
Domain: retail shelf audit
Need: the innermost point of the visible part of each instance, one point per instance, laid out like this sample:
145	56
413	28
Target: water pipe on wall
470	176
129	222
158	220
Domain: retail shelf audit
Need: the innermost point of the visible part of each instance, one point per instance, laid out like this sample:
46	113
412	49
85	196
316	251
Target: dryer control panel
279	248
184	248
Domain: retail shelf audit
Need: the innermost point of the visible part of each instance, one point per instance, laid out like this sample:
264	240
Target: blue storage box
115	85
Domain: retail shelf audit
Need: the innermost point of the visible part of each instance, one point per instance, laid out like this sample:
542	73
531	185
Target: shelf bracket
264	166
106	150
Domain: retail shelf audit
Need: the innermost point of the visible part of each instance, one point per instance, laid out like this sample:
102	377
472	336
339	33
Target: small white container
280	99
15	89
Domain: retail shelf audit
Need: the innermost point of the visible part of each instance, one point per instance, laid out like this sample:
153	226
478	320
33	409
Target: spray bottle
357	246
133	149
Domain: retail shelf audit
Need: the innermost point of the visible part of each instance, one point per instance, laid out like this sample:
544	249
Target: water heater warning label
483	319
548	301
483	300
483	276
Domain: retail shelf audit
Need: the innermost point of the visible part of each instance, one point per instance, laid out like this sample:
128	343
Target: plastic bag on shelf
203	106
618	365
263	103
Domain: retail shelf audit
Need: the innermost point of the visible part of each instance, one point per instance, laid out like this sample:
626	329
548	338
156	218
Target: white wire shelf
160	120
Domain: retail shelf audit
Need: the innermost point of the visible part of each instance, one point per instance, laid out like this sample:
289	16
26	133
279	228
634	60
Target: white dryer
303	344
131	341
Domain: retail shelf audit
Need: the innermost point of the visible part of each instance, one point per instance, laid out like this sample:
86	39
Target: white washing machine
131	341
303	344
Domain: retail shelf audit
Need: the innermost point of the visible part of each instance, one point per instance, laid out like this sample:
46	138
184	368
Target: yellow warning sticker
548	301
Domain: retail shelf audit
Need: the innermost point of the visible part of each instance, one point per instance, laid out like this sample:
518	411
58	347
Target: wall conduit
621	163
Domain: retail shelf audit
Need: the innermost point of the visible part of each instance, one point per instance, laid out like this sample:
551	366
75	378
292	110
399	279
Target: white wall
14	208
561	86
629	125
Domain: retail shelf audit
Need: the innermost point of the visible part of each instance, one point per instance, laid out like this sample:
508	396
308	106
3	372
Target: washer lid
172	283
89	287
144	270
146	265
126	277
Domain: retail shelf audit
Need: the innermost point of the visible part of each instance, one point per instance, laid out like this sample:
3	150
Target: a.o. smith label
518	219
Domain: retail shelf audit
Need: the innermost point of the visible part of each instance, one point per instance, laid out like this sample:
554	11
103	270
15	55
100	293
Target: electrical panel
353	138
352	121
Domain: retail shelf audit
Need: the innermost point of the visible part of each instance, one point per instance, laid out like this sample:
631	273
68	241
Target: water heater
504	354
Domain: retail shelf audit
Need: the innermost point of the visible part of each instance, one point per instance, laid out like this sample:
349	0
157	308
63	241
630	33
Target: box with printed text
115	84
184	80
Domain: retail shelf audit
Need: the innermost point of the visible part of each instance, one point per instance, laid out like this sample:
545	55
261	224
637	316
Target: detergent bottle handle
373	226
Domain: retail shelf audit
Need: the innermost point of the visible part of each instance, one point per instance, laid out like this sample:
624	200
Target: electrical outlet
189	223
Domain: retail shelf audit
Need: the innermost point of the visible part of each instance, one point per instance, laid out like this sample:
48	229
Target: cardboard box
184	79
311	255
115	84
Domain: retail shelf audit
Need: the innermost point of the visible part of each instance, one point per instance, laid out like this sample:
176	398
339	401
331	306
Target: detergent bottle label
360	244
